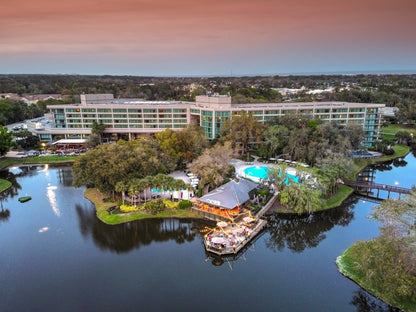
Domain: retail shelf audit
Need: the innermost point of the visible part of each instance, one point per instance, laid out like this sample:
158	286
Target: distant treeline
393	90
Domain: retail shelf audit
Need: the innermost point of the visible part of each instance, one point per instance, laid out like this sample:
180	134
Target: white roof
70	141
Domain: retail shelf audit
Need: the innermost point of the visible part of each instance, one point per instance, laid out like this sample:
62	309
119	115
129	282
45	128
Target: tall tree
213	165
5	140
243	129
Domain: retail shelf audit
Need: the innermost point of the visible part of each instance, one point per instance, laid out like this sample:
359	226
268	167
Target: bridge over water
367	187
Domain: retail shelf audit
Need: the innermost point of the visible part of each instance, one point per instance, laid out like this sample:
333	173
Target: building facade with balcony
132	118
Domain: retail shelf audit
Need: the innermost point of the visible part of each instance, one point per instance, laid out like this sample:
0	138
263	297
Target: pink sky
206	37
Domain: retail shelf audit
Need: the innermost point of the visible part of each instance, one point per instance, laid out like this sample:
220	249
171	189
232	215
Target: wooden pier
235	236
367	187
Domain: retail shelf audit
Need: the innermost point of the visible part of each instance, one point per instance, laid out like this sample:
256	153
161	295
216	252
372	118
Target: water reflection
15	187
51	195
123	238
4	214
299	232
366	303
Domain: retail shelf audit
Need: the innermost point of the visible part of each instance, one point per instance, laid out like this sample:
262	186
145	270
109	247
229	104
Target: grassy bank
4	185
343	193
101	208
37	160
399	151
388	132
348	264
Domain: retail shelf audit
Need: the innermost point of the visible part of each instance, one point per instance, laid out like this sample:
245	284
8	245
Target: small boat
24	199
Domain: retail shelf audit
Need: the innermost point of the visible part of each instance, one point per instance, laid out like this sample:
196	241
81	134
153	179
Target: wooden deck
232	239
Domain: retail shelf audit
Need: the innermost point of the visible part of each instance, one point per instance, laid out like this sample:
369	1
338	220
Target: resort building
131	118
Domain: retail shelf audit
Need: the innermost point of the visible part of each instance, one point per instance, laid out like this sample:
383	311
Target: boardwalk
366	187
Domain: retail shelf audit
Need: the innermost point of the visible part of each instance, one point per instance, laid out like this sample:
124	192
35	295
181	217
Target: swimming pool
260	172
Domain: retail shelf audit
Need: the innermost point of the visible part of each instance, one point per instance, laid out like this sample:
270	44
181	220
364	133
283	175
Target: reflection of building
131	118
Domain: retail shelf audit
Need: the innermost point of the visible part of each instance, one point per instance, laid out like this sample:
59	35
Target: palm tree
122	187
145	184
135	189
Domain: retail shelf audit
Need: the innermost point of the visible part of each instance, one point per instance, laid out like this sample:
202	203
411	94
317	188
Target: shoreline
343	263
94	196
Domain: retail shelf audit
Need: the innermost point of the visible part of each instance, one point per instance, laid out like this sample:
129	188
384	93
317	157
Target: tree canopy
5	140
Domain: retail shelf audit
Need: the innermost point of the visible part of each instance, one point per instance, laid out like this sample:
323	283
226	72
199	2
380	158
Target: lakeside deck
232	238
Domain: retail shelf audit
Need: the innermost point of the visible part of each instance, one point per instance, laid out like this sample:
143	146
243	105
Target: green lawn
52	159
343	193
101	208
4	185
399	151
388	132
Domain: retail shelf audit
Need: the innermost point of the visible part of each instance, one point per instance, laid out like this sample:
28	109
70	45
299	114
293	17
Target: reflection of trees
365	303
13	190
299	232
385	166
65	176
399	162
125	237
4	214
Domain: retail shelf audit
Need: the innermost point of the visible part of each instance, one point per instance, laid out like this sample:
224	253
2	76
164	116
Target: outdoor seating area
230	237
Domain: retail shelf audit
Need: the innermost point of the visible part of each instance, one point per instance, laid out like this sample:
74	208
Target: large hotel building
131	118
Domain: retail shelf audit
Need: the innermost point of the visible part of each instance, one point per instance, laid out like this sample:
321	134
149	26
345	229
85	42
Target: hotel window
135	116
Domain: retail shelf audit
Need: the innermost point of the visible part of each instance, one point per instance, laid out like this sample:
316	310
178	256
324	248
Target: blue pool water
260	172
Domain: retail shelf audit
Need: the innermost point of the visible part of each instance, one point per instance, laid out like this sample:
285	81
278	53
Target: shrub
263	192
389	152
170	204
155	206
183	204
127	208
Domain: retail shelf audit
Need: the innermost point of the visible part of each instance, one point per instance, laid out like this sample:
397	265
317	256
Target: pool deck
240	166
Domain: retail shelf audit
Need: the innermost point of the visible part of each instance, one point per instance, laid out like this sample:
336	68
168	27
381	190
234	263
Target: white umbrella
218	240
248	219
222	224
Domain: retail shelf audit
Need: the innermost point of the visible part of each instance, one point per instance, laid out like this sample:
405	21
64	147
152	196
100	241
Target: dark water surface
55	255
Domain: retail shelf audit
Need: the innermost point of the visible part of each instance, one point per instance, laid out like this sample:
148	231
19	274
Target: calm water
56	256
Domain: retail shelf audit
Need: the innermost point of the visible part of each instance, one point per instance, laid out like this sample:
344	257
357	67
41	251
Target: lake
57	256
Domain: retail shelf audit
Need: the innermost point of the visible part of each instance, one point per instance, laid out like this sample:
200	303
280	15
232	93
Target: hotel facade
132	118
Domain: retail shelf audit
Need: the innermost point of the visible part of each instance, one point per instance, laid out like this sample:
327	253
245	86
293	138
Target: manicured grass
4	185
343	193
101	208
388	132
52	159
399	151
348	264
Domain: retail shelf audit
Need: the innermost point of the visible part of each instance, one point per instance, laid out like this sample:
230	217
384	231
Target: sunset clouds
198	37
